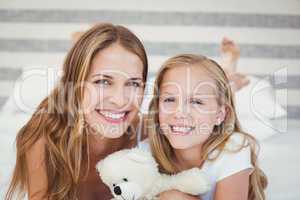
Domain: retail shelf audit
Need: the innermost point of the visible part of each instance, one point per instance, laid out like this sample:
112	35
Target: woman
90	114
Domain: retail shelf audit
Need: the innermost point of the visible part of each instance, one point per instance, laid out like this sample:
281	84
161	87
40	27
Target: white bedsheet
279	157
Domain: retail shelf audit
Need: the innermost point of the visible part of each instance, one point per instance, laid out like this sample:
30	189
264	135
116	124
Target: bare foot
237	81
230	53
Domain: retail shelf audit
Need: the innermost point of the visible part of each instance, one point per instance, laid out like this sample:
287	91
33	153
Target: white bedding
280	158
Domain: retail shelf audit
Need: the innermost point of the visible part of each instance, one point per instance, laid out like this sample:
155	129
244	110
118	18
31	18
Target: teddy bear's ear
139	156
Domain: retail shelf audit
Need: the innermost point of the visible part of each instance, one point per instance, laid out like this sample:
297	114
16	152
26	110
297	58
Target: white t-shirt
227	163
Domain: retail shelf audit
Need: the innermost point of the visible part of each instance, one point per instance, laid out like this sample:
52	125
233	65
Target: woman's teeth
182	129
113	116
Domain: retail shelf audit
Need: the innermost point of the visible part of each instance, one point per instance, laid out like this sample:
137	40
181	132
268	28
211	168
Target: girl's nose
182	111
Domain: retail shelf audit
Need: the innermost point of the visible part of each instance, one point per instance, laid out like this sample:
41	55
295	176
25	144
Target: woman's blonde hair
59	122
162	149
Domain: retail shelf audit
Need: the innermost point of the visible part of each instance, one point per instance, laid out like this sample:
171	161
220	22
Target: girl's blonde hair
162	149
59	122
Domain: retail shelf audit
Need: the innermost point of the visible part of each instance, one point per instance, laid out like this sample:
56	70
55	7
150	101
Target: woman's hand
176	195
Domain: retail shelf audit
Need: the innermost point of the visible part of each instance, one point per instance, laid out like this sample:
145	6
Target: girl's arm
176	195
234	187
37	176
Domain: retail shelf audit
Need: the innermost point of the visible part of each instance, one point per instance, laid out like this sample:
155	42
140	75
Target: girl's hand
176	195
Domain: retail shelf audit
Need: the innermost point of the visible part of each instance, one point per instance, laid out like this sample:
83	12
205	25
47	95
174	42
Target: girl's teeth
113	115
181	129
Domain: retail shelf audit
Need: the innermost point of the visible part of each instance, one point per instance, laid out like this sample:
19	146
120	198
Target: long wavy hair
162	149
59	122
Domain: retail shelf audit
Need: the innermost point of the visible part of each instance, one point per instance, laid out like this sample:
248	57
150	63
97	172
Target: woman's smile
113	117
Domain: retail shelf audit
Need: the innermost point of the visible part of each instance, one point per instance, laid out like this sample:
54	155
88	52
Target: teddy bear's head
128	173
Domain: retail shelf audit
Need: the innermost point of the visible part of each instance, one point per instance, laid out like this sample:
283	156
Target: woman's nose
119	97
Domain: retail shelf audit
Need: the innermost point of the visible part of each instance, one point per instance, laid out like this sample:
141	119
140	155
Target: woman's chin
111	132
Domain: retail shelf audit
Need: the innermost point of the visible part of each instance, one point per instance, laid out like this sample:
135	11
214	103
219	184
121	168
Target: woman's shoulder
35	153
38	146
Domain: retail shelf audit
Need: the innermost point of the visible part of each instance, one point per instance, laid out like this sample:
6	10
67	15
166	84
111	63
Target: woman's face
188	107
114	92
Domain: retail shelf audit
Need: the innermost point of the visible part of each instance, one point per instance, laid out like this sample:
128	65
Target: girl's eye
134	84
196	101
170	99
102	82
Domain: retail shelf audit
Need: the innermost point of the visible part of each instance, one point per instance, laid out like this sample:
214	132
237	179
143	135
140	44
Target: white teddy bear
133	174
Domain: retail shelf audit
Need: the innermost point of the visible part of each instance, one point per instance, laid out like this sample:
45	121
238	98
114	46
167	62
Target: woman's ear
221	115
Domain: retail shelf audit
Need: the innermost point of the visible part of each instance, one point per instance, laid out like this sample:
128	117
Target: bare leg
230	53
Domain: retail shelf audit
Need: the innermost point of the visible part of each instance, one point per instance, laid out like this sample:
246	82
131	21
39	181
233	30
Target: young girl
89	115
192	123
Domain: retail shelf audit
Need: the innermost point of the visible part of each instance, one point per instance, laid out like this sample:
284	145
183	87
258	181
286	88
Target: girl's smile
188	107
181	129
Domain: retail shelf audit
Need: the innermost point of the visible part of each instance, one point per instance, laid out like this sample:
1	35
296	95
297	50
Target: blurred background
35	36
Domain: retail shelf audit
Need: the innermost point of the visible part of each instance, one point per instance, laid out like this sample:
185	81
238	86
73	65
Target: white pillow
258	99
30	89
256	107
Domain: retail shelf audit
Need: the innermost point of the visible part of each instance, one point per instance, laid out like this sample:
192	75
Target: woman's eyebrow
104	75
170	93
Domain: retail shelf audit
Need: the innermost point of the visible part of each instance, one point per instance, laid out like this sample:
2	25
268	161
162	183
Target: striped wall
37	33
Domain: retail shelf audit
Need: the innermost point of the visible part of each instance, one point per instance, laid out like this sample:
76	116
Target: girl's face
188	107
114	91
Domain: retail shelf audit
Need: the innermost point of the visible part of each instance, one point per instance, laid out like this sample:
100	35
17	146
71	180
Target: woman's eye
102	82
134	84
196	101
168	100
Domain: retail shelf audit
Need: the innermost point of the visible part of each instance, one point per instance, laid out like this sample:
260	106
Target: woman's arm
37	176
234	187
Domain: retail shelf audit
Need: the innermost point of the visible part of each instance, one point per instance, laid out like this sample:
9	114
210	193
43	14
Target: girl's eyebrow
204	95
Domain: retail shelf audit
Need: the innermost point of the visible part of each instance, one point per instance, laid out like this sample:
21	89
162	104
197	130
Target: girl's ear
221	115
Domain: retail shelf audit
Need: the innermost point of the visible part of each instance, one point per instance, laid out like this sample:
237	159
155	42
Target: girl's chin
180	143
181	146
